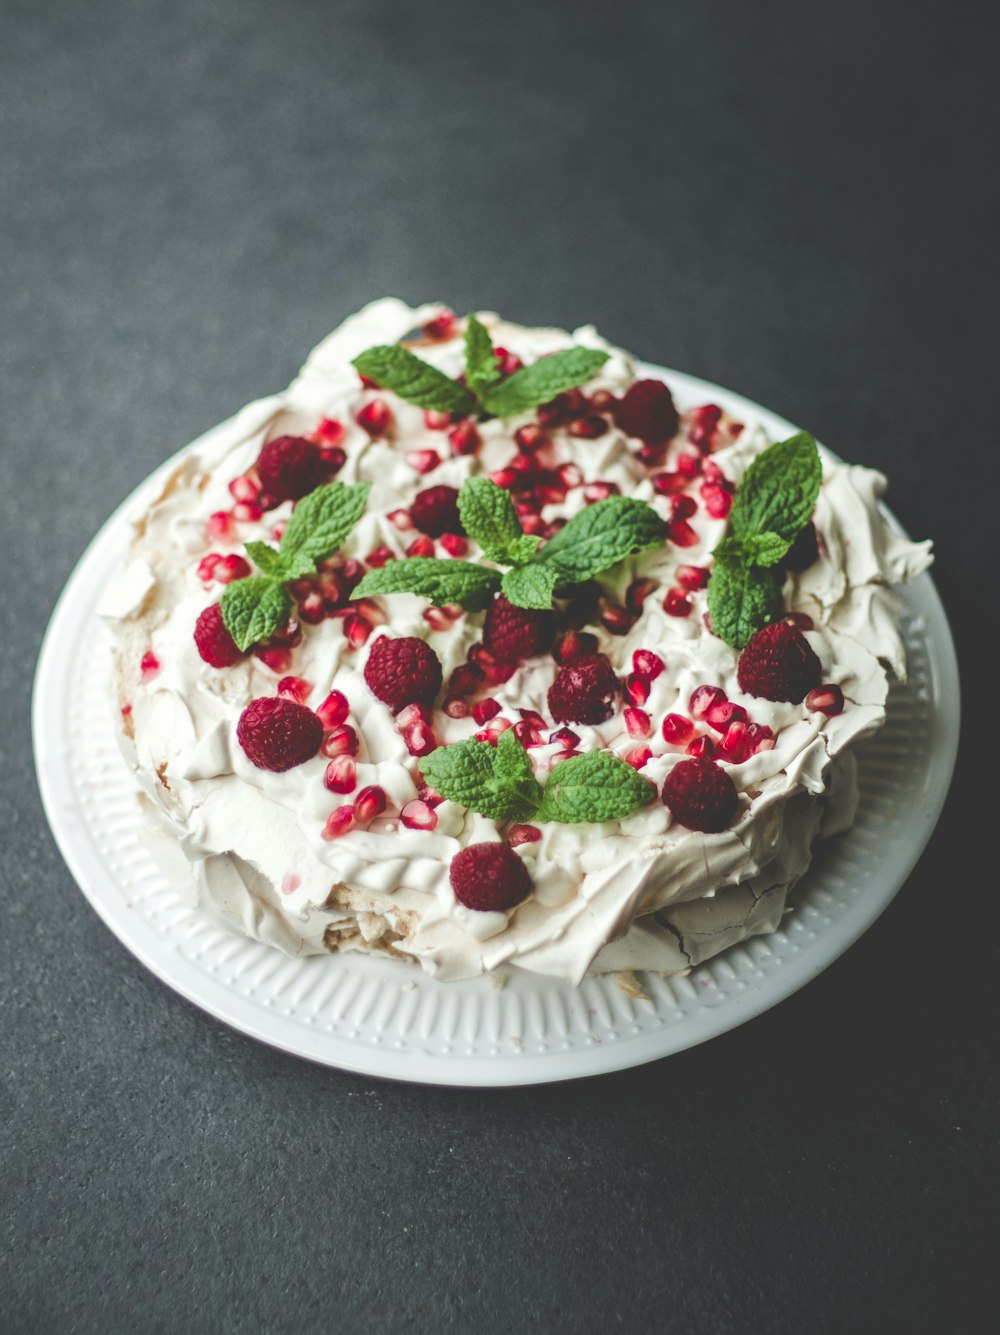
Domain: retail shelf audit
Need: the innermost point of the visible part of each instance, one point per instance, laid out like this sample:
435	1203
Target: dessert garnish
489	878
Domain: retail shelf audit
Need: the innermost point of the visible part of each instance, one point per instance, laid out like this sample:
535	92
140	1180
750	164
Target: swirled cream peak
642	892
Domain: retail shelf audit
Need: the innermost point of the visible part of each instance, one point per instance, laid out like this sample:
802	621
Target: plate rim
459	1070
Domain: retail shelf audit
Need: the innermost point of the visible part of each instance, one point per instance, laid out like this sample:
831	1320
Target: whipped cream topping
643	892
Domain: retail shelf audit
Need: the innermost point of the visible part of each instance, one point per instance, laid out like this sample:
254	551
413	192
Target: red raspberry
400	672
435	511
779	664
488	877
290	468
583	690
511	632
647	411
215	644
700	795
277	733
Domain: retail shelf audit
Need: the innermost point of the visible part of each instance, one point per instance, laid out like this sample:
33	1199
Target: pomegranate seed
600	491
759	738
466	680
330	431
828	700
677	603
616	620
669	484
603	401
484	710
206	566
504	477
341	775
494	729
244	489
638	756
357	630
374	417
341	740
735	428
523	834
637	593
801	619
533	717
230	568
570	476
278	530
333	457
149	665
534	525
721	713
352	572
401	519
575	644
733	747
333	710
689	464
523	463
421	546
508	362
441	327
312	609
711	472
564	737
682	534
692	577
650	453
417	815
454	544
379	557
701	436
718	501
219	526
278	660
498	671
527	735
589	427
636	688
417	712
369	803
528	508
683	507
339	822
437	618
703	698
332	590
464	438
249	512
455	707
638	724
708	413
560	756
420	739
295	688
530	438
703	747
429	795
647	664
677	730
435	421
423	461
288	637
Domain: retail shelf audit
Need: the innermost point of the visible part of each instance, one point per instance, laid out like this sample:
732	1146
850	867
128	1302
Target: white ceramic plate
385	1018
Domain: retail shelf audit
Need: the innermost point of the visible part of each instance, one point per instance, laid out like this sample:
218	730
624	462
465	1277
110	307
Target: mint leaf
779	489
543	380
321	523
396	368
267	559
602	535
531	585
254	608
497	783
741	599
462	582
765	549
488	516
482	370
596	786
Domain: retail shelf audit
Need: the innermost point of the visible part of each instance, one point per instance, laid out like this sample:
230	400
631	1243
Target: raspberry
215	644
647	411
803	551
583	690
489	877
700	795
779	664
399	672
290	468
277	733
512	632
435	511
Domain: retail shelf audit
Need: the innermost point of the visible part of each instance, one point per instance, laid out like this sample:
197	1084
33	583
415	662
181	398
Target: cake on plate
477	648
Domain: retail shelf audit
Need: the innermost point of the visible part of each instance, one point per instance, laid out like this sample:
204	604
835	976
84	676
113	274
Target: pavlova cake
477	649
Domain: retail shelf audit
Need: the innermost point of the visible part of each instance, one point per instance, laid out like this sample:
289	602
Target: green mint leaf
543	380
462	582
254	608
489	517
268	560
779	489
765	549
596	786
522	550
496	783
482	370
741	599
602	535
396	368
531	585
321	523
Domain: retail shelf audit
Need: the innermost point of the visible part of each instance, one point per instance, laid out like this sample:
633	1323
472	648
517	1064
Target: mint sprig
595	539
499	783
775	501
487	391
255	607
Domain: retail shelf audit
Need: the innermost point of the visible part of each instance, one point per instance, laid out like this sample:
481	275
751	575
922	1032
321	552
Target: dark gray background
789	199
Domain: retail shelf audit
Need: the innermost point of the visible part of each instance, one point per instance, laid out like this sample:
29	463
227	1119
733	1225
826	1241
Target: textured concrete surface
790	200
